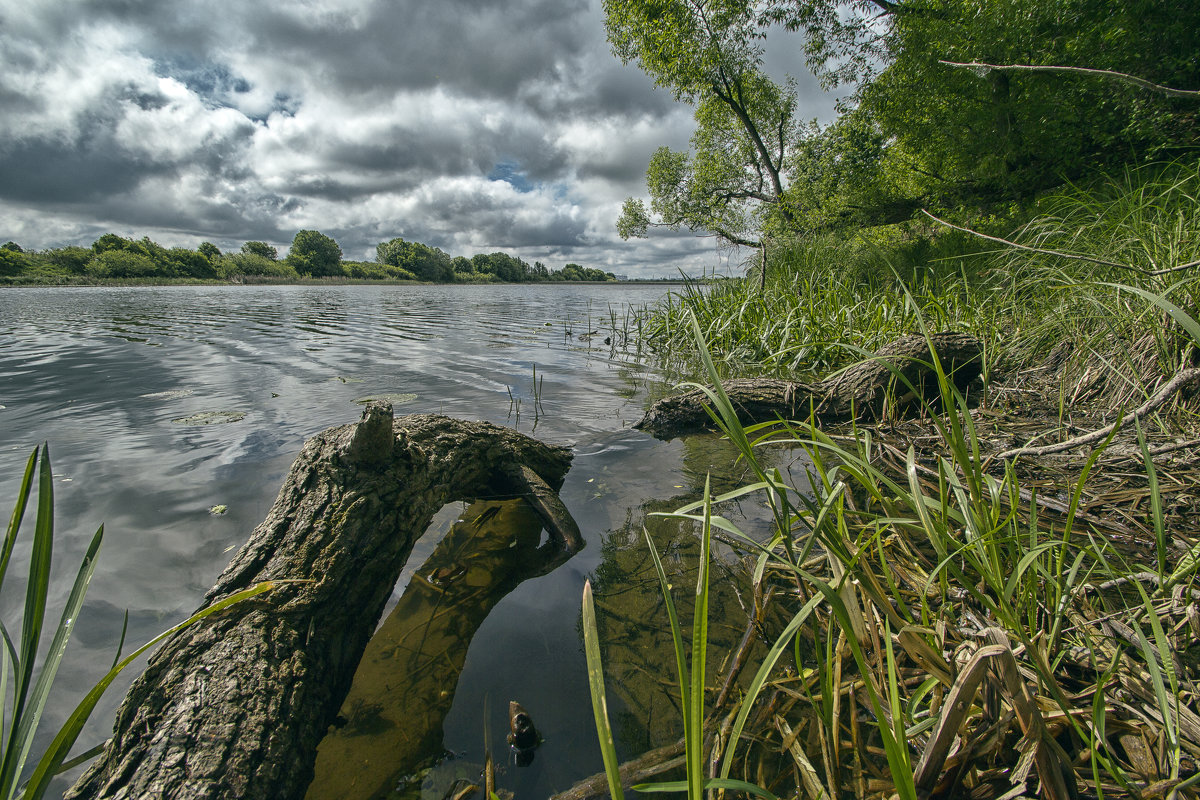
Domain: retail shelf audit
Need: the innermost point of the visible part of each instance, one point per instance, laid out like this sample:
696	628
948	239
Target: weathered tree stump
897	378
235	706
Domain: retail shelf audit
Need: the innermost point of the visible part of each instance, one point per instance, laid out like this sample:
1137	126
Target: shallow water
160	404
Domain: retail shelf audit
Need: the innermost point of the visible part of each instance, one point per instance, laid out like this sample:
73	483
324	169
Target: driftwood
235	706
899	377
1183	380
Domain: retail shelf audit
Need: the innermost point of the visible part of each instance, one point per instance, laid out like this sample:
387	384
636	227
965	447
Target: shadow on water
632	619
392	736
391	722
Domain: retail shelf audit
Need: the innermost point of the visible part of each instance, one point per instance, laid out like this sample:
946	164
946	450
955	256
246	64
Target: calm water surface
105	374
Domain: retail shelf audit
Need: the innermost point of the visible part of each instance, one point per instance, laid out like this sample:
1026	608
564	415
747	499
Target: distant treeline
312	255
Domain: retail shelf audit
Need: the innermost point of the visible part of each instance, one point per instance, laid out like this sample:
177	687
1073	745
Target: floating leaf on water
395	399
342	379
218	510
211	418
171	394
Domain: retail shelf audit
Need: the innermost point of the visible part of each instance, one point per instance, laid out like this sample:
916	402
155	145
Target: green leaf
595	668
58	647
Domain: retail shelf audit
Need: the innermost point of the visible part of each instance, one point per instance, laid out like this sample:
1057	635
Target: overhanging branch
1108	73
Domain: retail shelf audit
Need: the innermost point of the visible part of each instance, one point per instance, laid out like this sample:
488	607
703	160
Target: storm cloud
471	125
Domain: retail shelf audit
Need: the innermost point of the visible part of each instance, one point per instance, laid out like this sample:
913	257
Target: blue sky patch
510	172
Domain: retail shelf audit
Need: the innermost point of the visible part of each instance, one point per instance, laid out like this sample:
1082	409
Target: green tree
314	253
111	241
504	267
571	272
124	264
481	263
722	184
977	137
12	262
190	263
427	263
260	249
71	259
733	182
209	251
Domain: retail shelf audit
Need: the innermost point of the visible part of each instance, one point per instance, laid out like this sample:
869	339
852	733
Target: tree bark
235	706
897	379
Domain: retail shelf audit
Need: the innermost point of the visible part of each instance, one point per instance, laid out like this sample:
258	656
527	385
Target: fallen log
235	706
897	379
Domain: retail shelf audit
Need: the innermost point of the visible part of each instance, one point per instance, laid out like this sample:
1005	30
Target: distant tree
123	264
314	253
482	263
507	268
12	262
209	251
72	259
461	266
165	266
190	263
12	246
427	263
540	273
111	241
259	249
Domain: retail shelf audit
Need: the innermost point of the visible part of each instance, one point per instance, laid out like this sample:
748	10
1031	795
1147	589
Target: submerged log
898	378
235	706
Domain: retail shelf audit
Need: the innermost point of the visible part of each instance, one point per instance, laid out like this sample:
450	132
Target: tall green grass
895	569
831	297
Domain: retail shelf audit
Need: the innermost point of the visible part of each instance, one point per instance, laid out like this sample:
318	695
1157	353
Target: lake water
113	379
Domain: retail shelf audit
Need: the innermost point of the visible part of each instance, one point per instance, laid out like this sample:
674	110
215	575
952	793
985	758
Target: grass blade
57	752
58	647
595	668
18	514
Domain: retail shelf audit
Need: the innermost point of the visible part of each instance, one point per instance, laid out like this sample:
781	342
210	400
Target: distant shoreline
159	282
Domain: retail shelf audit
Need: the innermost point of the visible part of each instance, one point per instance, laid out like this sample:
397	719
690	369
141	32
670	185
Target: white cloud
365	119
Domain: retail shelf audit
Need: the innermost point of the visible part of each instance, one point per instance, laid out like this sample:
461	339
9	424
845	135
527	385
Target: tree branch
1108	73
1165	393
733	238
1044	251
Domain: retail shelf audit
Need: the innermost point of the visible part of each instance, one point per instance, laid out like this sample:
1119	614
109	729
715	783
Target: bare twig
1059	253
1108	73
1165	393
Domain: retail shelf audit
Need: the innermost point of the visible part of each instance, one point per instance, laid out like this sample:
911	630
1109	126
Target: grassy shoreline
946	620
83	281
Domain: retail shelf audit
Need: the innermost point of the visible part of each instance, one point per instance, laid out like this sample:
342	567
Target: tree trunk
896	379
235	706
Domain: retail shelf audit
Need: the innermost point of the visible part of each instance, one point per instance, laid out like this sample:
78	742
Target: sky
470	125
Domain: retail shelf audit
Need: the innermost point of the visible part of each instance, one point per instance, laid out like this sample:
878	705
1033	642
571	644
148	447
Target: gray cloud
472	125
